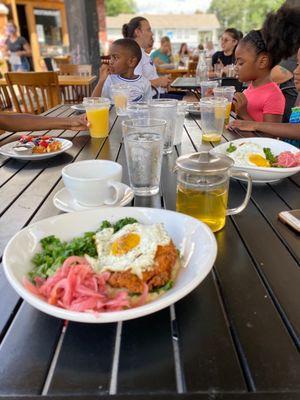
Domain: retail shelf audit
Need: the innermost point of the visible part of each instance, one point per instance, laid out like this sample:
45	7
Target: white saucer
65	202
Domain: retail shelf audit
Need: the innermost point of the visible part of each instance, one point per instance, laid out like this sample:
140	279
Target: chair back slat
75	69
37	91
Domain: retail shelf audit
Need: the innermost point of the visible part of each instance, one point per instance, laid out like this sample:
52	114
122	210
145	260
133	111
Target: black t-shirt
17	45
220	56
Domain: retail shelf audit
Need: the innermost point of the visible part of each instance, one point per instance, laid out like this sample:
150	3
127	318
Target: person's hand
164	81
240	104
79	123
242	125
104	71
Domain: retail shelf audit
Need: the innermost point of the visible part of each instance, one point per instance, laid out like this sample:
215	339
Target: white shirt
140	88
147	69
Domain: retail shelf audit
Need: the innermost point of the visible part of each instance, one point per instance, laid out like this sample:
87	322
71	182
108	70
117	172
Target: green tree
243	15
116	7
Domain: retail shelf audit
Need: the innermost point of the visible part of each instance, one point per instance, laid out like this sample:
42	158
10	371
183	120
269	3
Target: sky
171	6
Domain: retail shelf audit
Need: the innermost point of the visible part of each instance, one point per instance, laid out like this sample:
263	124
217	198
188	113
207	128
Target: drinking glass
226	92
207	88
143	139
120	96
165	109
213	110
181	111
138	110
97	112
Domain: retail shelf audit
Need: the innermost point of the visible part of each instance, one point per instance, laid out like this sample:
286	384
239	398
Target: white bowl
195	240
262	174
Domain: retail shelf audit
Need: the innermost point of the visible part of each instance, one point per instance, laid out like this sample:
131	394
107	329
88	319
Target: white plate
195	240
78	107
263	174
7	150
65	202
194	109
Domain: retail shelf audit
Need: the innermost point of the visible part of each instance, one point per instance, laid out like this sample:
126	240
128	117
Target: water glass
213	110
143	139
120	95
226	92
138	110
165	109
207	88
181	111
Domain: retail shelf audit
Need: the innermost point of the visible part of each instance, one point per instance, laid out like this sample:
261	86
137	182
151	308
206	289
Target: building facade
192	29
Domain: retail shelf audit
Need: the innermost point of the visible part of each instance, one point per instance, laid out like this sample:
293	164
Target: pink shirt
265	99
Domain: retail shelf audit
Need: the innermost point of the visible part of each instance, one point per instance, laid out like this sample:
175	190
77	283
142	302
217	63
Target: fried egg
131	248
250	154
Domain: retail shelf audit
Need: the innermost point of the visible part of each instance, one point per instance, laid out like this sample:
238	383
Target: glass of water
165	109
143	139
181	111
213	111
138	110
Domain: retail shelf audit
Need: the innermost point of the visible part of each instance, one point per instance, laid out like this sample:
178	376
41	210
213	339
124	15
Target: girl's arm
26	52
28	122
286	131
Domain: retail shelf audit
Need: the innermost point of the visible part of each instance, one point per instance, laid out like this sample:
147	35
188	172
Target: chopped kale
231	148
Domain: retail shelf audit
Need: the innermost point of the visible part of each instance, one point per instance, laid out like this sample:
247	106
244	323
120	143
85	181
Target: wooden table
235	337
67	80
173	72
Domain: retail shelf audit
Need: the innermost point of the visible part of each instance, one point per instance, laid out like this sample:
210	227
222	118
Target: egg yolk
258	160
125	243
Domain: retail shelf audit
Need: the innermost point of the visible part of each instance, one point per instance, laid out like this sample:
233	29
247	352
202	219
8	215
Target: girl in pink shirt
262	100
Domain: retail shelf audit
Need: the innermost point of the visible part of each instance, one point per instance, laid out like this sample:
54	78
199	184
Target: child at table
281	31
125	55
263	99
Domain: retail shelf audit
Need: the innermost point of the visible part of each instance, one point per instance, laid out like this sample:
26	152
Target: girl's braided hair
281	31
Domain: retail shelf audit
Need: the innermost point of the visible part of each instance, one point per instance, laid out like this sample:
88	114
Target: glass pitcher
202	187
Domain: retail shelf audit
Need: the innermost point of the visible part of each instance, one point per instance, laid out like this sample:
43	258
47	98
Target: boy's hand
240	104
104	71
243	125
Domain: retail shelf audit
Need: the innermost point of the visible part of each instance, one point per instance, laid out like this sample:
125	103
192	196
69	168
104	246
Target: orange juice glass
226	92
120	97
97	112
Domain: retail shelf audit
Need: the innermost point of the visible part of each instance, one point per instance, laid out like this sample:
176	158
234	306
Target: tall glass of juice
97	112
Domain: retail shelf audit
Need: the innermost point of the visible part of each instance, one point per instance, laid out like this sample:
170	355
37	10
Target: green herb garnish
54	251
231	148
270	156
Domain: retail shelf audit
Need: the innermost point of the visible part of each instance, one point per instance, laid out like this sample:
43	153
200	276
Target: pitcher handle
237	210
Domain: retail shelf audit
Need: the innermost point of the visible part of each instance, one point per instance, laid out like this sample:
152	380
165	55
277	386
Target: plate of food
109	265
266	160
194	109
30	147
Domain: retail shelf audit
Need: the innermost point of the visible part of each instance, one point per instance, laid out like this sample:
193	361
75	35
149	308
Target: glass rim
225	89
95	101
212	100
167	101
149	122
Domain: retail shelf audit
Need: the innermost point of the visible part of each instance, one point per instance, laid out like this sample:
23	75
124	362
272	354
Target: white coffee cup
94	182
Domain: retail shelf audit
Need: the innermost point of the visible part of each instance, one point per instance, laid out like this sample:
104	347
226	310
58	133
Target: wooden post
15	14
82	21
33	36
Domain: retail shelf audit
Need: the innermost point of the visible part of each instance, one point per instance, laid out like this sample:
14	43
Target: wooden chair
192	68
75	94
37	91
75	69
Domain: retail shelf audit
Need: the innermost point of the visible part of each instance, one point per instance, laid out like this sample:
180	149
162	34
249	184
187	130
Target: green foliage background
243	15
115	7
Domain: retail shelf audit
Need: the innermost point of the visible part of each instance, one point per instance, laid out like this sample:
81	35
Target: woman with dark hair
17	48
281	36
229	42
139	29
